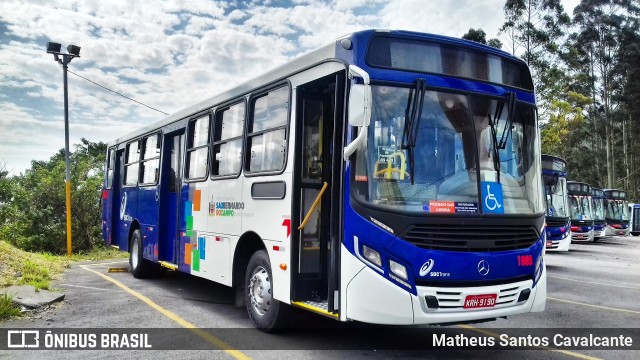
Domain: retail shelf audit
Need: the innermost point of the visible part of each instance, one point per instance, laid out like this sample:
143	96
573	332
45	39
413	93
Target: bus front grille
556	223
471	238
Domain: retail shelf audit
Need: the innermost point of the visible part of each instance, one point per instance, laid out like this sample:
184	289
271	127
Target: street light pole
73	51
65	61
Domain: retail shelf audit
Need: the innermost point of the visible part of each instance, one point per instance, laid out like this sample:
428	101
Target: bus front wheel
266	312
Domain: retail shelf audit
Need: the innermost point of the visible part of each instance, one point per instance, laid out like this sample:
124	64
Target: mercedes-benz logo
483	267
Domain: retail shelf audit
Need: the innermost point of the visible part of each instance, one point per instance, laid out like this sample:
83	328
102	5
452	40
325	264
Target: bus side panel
271	220
186	233
193	246
148	218
107	208
169	227
128	212
223	211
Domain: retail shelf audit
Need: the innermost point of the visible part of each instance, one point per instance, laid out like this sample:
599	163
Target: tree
537	27
601	23
564	135
37	216
479	36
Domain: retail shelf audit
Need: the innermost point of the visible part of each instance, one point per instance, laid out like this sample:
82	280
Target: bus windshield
598	208
580	207
617	209
556	194
454	144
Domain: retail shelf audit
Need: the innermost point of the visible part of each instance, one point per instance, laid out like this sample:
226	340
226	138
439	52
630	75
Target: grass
7	307
18	267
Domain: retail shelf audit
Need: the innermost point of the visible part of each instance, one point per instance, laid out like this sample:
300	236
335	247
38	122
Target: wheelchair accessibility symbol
492	198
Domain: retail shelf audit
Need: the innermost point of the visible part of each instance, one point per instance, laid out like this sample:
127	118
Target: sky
174	53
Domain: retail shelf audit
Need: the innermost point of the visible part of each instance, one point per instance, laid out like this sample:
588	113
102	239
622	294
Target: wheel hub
134	254
260	291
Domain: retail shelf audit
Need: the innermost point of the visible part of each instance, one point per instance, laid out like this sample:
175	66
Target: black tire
635	233
267	314
139	266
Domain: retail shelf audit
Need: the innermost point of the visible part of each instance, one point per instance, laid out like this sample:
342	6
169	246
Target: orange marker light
283	266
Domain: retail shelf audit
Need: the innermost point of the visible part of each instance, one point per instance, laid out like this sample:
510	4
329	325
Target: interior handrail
313	207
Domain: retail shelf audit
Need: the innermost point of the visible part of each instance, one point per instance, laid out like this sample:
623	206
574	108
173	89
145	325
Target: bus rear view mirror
360	105
359	98
359	110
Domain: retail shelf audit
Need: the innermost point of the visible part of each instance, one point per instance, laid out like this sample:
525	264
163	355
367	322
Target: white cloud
170	54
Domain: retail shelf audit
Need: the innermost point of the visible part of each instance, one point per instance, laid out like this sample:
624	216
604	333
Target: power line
115	92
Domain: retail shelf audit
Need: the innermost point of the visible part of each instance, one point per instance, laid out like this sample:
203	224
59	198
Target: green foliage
479	36
7	307
35	217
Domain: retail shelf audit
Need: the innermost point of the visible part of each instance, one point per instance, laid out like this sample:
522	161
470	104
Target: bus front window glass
443	154
450	140
598	209
576	212
555	189
514	163
585	204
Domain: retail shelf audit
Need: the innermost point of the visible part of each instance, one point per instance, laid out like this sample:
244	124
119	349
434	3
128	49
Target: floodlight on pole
73	51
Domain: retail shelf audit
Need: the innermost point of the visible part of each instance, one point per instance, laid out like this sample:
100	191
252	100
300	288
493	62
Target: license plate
480	301
549	243
580	237
620	232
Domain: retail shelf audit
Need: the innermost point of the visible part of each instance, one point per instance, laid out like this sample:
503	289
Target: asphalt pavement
594	285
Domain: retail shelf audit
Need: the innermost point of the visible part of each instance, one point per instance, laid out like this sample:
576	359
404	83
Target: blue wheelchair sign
492	198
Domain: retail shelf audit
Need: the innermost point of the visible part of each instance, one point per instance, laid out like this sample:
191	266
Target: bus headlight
371	255
398	269
539	267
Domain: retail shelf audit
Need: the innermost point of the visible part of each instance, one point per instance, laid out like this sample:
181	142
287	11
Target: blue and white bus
389	177
554	177
616	212
597	205
580	211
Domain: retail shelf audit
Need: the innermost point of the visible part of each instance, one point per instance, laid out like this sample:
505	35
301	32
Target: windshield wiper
501	144
412	115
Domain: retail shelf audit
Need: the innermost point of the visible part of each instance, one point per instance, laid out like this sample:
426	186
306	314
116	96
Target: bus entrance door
170	185
312	252
119	233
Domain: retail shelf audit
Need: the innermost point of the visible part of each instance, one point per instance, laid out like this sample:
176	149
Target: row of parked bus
579	212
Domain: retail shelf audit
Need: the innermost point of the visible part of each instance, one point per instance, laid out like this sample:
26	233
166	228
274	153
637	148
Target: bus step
321	307
168	265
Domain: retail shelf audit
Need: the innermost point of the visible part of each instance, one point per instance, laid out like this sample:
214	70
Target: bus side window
266	138
198	148
131	164
227	144
111	163
150	160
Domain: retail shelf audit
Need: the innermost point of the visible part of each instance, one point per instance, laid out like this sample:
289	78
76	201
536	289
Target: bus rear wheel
267	313
139	266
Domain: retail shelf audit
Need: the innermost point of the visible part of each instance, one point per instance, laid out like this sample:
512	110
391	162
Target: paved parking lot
595	285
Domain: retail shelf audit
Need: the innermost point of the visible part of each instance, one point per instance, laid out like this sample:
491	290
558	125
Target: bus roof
578	188
552	165
615	194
